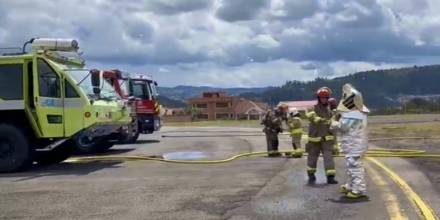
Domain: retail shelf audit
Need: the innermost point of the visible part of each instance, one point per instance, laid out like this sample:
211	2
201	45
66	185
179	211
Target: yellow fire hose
403	138
376	152
304	136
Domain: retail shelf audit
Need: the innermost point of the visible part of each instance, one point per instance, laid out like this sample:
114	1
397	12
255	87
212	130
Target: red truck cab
140	91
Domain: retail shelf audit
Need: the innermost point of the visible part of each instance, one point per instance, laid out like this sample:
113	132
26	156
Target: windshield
141	89
83	79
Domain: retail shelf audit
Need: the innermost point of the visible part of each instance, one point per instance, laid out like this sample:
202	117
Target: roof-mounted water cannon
58	49
55	44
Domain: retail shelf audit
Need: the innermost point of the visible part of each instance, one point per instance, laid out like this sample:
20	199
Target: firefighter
272	122
296	132
321	139
354	140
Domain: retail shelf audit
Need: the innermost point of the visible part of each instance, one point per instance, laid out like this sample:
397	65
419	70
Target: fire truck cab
139	91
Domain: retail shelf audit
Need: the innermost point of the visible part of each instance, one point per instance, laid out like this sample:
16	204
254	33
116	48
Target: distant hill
171	103
184	92
380	88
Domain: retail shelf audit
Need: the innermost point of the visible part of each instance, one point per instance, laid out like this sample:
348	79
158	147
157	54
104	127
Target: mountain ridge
380	88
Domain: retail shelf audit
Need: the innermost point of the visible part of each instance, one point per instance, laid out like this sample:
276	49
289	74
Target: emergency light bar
55	44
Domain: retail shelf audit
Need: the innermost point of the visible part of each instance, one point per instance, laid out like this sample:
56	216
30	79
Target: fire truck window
11	83
153	86
48	80
138	91
69	90
148	91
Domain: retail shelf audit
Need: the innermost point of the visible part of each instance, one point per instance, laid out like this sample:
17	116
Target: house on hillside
173	111
218	105
250	110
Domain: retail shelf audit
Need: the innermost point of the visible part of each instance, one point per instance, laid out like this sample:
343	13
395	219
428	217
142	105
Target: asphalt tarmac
247	188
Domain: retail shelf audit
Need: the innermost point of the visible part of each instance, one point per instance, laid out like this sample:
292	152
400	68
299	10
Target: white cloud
235	42
293	9
254	74
174	7
239	10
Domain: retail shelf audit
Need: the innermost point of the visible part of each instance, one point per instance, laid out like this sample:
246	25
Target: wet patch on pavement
185	155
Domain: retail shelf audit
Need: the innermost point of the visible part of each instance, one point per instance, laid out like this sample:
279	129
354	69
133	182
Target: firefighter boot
331	179
312	178
343	189
352	195
297	153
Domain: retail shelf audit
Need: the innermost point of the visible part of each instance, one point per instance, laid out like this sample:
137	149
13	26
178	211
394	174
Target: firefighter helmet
293	111
323	92
351	100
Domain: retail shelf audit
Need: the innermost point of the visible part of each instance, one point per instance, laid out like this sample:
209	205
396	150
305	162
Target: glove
334	125
318	119
336	149
310	115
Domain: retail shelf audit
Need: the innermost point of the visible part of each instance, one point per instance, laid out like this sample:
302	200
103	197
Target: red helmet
323	92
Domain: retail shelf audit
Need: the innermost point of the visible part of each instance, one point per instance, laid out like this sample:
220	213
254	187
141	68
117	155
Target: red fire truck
140	92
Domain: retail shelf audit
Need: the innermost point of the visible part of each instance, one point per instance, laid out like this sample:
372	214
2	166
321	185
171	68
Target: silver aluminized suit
354	143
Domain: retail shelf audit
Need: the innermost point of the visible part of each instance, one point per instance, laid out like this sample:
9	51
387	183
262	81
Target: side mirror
131	98
96	81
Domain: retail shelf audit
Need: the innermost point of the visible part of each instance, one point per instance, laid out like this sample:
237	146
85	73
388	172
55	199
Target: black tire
97	145
104	145
133	138
16	154
129	139
57	155
85	146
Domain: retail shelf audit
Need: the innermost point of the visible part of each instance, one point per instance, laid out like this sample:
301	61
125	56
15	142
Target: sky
234	43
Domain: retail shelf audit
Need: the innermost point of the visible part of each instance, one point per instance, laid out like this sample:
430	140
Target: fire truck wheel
15	152
133	138
85	145
57	155
104	145
132	134
130	139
